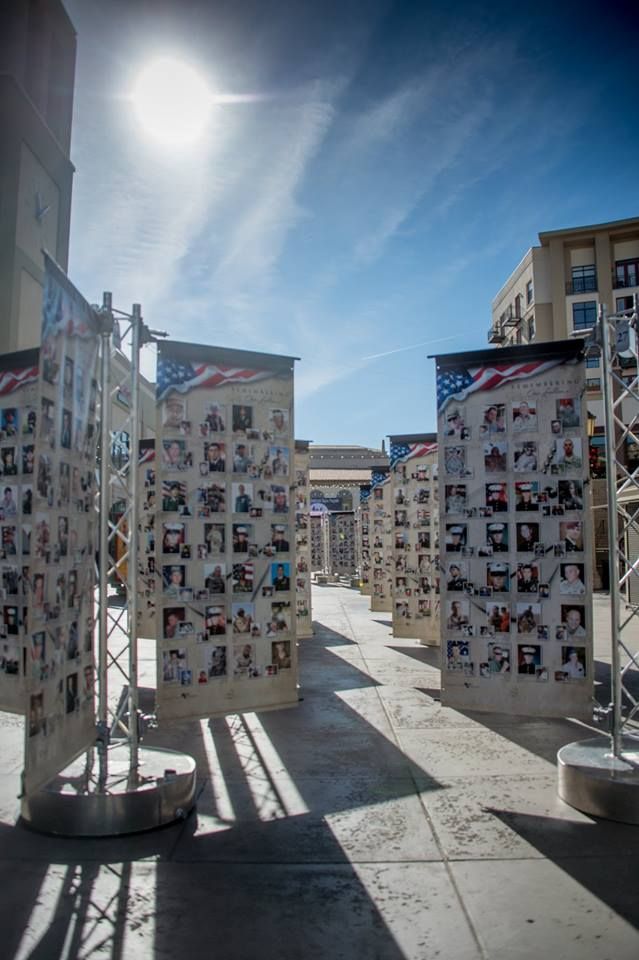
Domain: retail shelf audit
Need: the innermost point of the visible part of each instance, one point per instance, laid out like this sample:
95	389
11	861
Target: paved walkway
369	823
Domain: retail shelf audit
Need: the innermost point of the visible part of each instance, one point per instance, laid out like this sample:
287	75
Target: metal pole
613	556
132	594
105	498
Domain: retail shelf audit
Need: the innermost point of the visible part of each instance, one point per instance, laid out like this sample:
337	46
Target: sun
172	102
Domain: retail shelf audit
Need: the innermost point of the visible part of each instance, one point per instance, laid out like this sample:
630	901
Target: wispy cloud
412	346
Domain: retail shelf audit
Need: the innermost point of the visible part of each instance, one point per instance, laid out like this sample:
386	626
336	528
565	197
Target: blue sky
392	165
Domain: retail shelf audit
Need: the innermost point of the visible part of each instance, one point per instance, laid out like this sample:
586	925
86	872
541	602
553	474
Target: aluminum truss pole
132	569
613	532
103	571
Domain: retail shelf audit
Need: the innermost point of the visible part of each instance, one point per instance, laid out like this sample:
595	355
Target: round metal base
592	780
163	791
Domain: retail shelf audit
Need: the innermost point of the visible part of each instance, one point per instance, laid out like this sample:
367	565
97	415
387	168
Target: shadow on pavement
610	875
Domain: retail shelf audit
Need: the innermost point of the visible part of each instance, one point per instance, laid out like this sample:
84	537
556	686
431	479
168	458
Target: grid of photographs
148	572
381	527
515	572
60	542
225	536
342	544
319	543
18	420
415	495
364	543
303	612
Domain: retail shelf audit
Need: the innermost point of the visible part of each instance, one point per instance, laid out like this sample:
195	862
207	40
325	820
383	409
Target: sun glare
172	102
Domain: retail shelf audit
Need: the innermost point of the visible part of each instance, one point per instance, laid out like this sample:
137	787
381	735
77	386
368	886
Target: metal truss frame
617	337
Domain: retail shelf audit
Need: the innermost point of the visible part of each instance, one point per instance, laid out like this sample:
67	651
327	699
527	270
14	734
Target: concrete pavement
368	822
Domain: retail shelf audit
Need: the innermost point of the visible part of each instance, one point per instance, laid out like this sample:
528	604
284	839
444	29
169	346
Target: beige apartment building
554	292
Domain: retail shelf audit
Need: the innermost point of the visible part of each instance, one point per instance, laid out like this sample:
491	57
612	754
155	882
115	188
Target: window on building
584	279
592	361
531	329
529	291
518	305
627	273
584	314
624	303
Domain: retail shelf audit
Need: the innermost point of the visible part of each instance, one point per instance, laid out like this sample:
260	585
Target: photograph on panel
497	536
242	497
571	583
214	538
454	461
243	577
527	535
493	422
526	494
458	657
278	421
242	537
174	493
173	537
214	457
172	617
570	494
567	411
214	578
524	416
497	497
215	621
278	461
173	580
174	454
244	660
496	456
498	617
529	659
573	619
456	534
457	615
174	416
281	654
280	617
214	419
214	663
280	576
242	418
497	662
528	577
528	617
525	456
455	494
573	664
455	425
497	577
566	455
571	536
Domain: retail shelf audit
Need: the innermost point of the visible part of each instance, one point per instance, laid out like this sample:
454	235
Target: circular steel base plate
592	780
163	791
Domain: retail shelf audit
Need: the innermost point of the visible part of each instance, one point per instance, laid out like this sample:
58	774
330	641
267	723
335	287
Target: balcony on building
626	274
496	334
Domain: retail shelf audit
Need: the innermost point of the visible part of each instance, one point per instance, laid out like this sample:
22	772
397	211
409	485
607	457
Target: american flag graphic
182	376
402	452
460	383
378	479
11	380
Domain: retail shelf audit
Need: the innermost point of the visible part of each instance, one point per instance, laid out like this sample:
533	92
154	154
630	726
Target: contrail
412	346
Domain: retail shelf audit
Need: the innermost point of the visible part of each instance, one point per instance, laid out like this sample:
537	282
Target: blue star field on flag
174	375
378	478
450	383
